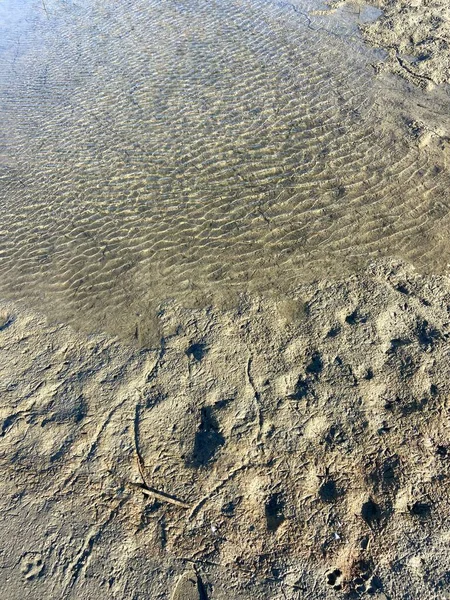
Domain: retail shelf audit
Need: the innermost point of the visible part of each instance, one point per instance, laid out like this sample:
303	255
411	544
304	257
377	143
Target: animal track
31	565
274	512
371	513
208	439
328	491
355	318
420	509
364	581
197	351
334	579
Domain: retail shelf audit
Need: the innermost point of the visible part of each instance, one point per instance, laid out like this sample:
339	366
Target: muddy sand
297	449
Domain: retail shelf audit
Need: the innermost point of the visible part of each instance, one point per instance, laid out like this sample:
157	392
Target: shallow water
196	149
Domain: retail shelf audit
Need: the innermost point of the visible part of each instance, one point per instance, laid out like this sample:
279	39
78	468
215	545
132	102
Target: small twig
148	491
256	396
139	460
198	561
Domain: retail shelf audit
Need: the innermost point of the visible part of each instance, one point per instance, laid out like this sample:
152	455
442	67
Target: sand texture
416	36
280	428
296	449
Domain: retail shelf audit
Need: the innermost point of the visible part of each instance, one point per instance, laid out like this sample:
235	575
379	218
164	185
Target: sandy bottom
153	150
296	449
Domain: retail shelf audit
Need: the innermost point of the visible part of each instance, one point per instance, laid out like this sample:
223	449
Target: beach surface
296	449
416	36
251	403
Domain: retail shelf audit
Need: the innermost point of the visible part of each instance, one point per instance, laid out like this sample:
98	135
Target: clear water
195	149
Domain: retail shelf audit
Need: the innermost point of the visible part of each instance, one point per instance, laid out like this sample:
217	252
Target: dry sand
416	36
297	449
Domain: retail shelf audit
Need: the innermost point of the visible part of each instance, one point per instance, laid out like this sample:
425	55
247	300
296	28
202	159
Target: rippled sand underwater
197	149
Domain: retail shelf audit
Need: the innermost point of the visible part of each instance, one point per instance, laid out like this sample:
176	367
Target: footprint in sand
31	565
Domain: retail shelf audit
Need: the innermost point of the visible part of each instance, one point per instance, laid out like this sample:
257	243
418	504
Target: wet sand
416	36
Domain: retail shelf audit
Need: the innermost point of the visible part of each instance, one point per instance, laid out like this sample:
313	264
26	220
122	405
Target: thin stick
140	462
148	491
256	396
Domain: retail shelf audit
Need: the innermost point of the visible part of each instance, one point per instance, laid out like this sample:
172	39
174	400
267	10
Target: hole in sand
355	317
420	509
442	451
371	513
197	350
301	390
369	374
333	576
328	491
402	289
208	438
274	512
334	331
316	364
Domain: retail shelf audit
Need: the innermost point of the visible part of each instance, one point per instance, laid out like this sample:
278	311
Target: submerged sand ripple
186	149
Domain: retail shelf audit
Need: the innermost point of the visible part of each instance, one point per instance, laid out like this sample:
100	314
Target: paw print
31	565
334	579
361	583
364	581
